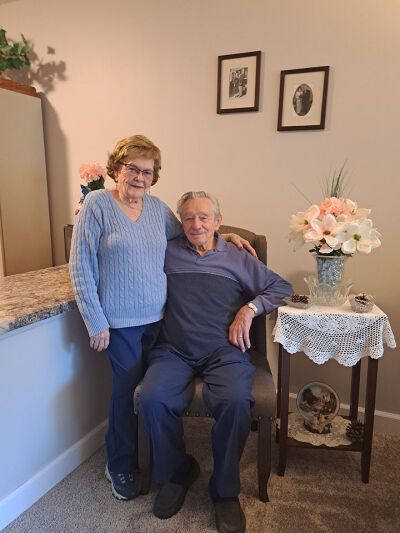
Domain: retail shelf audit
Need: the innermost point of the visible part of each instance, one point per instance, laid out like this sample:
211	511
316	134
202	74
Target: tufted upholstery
263	390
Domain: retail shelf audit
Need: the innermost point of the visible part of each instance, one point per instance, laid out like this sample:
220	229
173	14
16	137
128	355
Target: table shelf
294	443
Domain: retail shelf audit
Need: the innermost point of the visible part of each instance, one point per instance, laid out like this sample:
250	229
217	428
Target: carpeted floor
320	492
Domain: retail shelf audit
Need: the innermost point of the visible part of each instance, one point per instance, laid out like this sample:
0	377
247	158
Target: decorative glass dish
301	301
362	303
325	294
318	404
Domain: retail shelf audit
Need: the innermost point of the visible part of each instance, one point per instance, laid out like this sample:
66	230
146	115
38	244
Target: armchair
263	391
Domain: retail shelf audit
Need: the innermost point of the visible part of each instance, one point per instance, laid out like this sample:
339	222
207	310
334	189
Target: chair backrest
67	240
259	243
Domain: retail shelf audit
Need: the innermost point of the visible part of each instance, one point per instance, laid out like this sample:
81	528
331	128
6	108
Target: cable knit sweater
117	265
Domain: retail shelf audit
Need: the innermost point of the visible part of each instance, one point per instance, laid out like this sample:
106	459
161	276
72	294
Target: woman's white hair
191	195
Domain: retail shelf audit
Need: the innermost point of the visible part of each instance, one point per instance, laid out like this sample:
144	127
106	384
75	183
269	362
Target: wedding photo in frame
238	82
302	99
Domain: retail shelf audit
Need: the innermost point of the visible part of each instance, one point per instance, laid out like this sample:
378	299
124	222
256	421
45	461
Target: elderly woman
117	272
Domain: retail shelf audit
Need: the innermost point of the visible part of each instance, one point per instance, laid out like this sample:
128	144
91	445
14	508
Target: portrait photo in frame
302	99
238	82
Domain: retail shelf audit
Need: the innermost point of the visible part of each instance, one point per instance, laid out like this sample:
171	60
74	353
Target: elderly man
214	292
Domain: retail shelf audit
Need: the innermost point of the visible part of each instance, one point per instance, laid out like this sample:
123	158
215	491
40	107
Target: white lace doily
337	436
324	333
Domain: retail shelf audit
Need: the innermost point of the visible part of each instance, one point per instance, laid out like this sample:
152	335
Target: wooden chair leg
144	457
284	411
264	457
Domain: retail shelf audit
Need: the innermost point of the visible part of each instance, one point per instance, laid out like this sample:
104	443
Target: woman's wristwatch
253	307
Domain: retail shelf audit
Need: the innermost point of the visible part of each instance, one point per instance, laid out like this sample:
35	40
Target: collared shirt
206	291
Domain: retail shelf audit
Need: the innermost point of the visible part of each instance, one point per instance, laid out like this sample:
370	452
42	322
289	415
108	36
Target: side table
324	333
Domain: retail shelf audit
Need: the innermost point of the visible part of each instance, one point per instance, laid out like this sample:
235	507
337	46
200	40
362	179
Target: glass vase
327	287
330	268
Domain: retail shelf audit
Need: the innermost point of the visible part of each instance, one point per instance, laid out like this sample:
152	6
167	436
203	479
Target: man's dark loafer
229	516
171	496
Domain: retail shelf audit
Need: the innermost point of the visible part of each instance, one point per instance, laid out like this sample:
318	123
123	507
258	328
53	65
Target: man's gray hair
191	195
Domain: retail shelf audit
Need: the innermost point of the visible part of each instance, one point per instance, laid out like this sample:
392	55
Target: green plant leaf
3	39
13	56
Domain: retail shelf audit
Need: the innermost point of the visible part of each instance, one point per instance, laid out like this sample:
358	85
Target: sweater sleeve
264	287
83	265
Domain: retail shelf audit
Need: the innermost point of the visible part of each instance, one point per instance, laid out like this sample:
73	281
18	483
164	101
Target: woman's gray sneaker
124	486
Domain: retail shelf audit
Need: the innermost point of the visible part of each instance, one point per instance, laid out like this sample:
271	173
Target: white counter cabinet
54	390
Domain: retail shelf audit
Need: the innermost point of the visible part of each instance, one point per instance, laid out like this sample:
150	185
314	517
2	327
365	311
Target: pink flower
332	206
92	172
324	233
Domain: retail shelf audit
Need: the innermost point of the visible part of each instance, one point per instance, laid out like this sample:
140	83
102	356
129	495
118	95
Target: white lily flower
359	236
324	231
361	213
302	219
299	222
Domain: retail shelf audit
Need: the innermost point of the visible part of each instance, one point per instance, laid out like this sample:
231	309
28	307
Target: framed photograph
238	82
302	99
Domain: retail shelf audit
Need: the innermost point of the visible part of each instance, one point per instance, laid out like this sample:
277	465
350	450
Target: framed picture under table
302	99
238	82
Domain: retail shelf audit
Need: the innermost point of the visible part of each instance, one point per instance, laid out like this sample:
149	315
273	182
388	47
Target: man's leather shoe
229	516
171	496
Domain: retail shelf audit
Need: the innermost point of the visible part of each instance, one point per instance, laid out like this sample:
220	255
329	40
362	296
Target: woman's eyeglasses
135	171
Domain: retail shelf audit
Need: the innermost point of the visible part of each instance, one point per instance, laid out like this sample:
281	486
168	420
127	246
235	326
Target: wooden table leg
278	394
284	411
355	390
369	418
278	399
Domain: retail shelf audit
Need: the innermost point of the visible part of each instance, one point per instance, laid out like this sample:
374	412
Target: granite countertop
33	296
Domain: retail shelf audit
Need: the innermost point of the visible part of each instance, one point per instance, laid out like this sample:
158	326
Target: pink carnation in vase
92	172
332	206
94	176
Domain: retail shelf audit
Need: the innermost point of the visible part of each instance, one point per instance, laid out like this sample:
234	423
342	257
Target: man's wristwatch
253	307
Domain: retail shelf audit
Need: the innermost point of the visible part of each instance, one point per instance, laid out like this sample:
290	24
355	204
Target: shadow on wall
57	177
42	73
298	283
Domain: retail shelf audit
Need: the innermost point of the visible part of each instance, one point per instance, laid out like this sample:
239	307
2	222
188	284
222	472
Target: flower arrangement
336	227
93	175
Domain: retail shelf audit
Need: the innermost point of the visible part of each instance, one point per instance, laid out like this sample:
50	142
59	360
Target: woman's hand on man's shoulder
239	242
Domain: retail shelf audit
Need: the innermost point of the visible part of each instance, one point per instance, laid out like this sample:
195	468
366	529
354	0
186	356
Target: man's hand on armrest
240	328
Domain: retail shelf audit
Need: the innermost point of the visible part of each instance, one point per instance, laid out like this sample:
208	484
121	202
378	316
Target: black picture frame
238	82
302	99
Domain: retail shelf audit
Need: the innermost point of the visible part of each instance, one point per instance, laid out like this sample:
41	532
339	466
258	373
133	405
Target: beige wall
151	66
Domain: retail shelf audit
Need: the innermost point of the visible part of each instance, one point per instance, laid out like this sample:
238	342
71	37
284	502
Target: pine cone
355	431
299	298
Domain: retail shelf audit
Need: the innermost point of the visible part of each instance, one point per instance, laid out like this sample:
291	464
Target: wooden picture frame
238	82
302	99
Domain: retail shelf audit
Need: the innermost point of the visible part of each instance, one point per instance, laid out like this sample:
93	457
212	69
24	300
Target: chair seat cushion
263	391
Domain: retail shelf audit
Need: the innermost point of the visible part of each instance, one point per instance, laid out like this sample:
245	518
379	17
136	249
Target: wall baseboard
384	422
27	494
